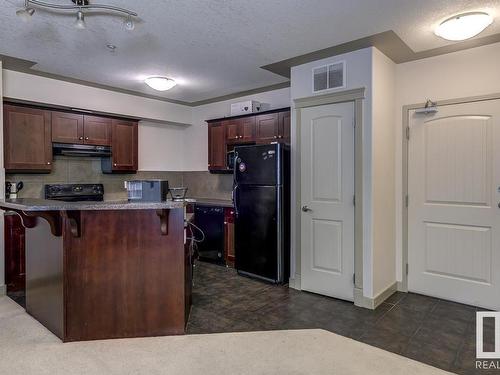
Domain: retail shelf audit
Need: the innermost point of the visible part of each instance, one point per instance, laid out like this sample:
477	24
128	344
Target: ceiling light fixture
79	6
463	26
160	83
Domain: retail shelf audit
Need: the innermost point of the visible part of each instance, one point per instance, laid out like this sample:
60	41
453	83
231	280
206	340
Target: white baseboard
294	282
372	303
3	290
402	287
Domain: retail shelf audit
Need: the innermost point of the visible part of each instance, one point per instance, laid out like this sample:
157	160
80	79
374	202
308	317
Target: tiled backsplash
88	170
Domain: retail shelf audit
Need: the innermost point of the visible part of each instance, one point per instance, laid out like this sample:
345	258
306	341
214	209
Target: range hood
81	150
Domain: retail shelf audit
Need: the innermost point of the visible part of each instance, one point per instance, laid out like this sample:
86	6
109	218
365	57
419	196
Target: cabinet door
229	236
232	128
97	130
246	129
124	146
15	259
216	146
266	128
67	127
284	127
27	139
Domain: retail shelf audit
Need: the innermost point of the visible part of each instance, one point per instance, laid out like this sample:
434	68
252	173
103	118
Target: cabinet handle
275	136
86	138
48	163
114	164
80	138
241	136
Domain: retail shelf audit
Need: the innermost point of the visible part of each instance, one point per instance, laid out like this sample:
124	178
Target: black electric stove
75	192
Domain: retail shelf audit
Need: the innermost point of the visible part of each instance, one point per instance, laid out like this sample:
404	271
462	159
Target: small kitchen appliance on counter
178	193
12	189
75	192
147	190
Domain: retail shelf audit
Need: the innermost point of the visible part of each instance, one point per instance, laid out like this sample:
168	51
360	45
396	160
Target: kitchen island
103	270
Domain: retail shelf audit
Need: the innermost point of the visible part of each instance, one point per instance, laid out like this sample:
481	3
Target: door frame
403	284
356	96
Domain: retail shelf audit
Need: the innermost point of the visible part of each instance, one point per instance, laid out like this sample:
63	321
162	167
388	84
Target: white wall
359	74
196	135
384	135
161	147
2	194
462	74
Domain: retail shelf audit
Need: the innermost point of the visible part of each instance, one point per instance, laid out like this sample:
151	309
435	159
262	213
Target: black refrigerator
262	211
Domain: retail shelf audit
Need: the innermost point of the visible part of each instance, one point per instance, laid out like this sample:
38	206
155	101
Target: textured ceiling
214	47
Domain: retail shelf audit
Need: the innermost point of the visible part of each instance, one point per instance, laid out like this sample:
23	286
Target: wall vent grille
328	77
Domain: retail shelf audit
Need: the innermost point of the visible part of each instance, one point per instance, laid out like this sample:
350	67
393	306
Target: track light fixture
79	6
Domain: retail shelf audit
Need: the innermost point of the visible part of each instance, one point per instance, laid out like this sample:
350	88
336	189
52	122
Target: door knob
306	209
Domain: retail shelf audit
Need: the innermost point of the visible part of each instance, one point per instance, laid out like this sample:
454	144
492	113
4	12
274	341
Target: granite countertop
211	202
32	204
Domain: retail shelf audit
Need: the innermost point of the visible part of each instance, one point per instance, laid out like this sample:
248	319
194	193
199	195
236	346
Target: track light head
80	20
128	23
25	13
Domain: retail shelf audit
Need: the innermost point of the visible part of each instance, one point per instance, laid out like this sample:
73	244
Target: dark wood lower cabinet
229	235
15	254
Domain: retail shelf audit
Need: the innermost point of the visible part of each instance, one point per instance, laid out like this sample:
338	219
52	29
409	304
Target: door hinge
354	200
408	133
354	279
354	123
407	268
407	200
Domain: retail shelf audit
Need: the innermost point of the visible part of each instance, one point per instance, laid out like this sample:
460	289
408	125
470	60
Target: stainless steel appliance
75	192
81	150
230	159
262	211
12	189
147	190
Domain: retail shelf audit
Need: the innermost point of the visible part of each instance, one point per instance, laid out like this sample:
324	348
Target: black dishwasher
210	220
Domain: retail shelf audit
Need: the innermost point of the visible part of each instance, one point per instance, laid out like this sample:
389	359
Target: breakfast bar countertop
33	204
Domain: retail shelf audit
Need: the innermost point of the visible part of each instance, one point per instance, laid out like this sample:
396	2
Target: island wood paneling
127	280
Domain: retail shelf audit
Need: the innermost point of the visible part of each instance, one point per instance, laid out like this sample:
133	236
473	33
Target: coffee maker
12	189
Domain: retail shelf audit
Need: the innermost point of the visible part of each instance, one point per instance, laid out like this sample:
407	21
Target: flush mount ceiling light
160	83
463	26
79	6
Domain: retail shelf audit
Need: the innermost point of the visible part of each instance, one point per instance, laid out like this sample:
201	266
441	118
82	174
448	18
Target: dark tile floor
433	331
429	330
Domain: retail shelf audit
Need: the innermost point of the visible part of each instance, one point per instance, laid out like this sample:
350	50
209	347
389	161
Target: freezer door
257	244
258	165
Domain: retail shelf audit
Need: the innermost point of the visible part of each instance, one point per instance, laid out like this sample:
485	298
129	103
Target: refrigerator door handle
235	199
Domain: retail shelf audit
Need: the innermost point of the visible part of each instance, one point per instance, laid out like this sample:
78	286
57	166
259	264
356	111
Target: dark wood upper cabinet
123	147
74	128
226	133
97	130
267	128
241	130
67	127
284	127
216	146
27	139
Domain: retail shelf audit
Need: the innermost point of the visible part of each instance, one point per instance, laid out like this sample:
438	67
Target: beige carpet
26	347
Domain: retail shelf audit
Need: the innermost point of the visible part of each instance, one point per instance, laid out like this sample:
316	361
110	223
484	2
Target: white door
327	192
454	195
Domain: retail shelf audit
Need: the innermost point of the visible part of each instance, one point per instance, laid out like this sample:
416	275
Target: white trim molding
372	303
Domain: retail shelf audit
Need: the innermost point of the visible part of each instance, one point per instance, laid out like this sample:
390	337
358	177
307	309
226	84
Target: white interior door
327	192
454	193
